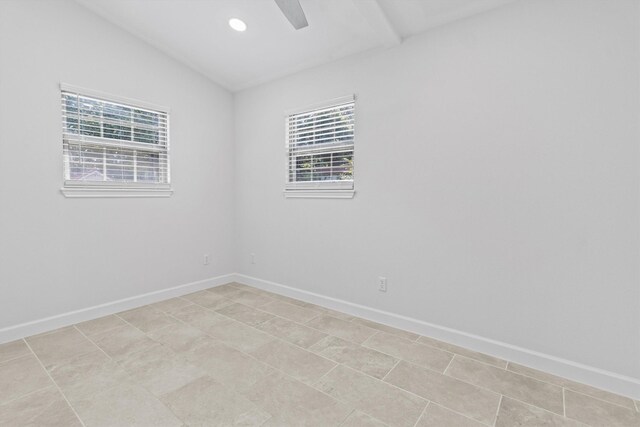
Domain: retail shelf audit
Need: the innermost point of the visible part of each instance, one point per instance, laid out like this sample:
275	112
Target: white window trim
114	98
320	189
319	194
76	189
88	193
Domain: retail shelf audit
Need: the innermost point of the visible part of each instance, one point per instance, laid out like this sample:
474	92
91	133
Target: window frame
91	189
319	189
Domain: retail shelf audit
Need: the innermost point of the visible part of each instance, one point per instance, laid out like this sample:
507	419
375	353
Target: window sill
93	192
319	194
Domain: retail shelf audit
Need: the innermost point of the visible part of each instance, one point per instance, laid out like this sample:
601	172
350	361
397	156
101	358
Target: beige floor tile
300	364
239	336
250	298
213	357
228	366
124	405
21	376
467	399
208	299
514	413
13	350
291	301
295	333
381	400
42	408
245	314
572	385
384	328
224	290
121	342
170	305
241	286
410	351
355	356
289	311
510	384
598	413
451	348
179	337
292	403
205	402
64	328
198	316
58	347
88	374
99	325
147	319
264	293
437	416
333	313
360	419
160	370
341	328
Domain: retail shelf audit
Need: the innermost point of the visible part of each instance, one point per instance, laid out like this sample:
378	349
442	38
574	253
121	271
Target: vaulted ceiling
196	32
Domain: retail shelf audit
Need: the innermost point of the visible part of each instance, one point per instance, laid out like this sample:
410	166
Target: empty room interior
413	213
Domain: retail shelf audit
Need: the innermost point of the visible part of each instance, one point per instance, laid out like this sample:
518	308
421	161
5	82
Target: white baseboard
12	333
590	375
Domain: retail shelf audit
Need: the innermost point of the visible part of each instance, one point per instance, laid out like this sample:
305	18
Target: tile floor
235	355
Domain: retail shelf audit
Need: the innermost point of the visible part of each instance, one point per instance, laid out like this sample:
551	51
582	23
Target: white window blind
113	144
320	147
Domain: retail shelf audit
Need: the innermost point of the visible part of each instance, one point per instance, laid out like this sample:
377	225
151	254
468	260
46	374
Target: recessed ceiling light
237	24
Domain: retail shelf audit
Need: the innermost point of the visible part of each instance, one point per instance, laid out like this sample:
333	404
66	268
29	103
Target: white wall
57	254
496	174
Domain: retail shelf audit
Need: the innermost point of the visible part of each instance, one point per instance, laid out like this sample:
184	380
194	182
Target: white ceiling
196	32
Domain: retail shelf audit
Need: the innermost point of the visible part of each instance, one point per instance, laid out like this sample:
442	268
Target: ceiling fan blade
294	13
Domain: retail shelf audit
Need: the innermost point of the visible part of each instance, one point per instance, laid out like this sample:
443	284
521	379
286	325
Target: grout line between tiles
542	409
377	379
16	357
392	368
424	411
22	396
564	404
324	375
575	391
259	330
416	340
295	379
448	365
56	384
467	416
286	374
346	418
375	332
595	398
93	342
433	403
495	418
263	363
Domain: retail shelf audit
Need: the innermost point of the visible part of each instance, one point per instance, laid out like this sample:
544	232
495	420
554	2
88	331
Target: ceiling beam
379	21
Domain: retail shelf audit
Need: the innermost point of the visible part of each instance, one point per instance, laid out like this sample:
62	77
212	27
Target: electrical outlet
253	258
206	260
382	284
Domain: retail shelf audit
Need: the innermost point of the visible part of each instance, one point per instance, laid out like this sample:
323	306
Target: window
113	147
320	150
